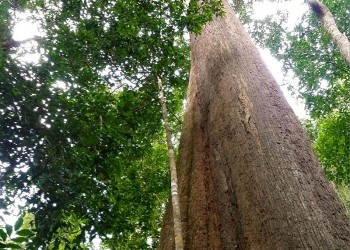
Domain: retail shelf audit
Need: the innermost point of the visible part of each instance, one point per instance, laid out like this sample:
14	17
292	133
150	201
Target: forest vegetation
83	148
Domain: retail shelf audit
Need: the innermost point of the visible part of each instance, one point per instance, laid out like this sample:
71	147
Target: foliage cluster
18	236
81	137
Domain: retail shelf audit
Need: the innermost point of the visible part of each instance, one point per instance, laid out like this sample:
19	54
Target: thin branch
11	43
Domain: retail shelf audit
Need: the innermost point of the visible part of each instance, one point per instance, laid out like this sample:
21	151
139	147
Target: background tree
329	24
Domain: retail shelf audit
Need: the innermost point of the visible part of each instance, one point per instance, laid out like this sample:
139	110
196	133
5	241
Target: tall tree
328	21
248	177
94	150
308	52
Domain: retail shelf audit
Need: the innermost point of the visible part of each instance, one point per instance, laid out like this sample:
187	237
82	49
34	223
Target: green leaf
9	229
3	235
18	223
57	243
78	239
13	246
25	232
2	245
19	239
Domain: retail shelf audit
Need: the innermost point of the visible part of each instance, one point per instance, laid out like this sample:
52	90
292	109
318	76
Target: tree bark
173	175
248	178
327	19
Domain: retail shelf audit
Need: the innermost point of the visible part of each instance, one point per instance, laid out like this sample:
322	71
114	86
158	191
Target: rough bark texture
327	19
248	177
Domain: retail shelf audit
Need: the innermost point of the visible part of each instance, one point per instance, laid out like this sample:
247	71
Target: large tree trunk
248	177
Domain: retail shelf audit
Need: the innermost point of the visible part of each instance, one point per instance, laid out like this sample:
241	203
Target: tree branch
327	19
11	43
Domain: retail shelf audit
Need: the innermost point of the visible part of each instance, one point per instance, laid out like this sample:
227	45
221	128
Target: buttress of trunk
173	175
248	178
327	19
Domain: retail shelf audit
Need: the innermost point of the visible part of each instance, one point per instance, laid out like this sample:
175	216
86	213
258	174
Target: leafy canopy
81	137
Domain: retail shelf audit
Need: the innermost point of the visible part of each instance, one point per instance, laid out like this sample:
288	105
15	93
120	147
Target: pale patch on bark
245	113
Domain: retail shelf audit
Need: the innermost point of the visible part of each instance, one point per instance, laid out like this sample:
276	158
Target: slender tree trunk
173	175
327	19
248	177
